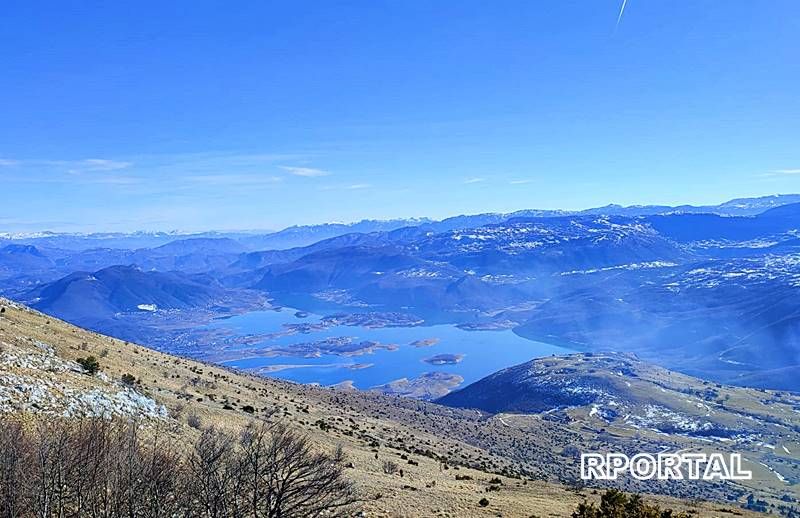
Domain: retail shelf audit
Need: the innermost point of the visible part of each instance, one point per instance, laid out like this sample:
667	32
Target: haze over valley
709	291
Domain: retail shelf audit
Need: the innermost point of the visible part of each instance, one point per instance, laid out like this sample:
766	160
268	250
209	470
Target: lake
478	353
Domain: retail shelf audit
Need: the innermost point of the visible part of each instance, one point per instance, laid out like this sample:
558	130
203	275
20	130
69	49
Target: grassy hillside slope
432	444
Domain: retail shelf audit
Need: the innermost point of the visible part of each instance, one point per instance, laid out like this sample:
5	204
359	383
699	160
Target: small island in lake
444	359
427	386
426	342
339	346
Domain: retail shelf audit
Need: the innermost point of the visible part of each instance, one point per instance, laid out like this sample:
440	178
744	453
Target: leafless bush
390	467
213	473
99	468
284	475
339	456
194	421
116	469
14	452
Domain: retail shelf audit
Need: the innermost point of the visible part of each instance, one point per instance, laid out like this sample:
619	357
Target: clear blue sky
197	115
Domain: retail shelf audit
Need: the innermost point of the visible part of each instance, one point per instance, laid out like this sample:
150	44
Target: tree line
60	468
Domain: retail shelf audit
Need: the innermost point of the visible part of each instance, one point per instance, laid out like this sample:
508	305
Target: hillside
137	305
123	289
431	443
733	321
626	397
621	390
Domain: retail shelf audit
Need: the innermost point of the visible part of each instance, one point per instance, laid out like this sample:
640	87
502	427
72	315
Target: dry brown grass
365	426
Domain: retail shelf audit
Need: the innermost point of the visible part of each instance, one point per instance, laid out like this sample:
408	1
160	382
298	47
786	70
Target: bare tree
117	469
51	470
284	475
14	453
162	471
212	473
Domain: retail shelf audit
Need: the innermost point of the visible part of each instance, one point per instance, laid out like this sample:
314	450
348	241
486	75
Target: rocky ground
34	379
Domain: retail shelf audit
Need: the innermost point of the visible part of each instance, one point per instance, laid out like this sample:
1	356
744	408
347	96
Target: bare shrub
14	452
212	472
390	467
114	469
305	482
339	456
194	421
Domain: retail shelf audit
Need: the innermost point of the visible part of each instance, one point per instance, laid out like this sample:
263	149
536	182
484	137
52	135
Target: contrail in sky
621	11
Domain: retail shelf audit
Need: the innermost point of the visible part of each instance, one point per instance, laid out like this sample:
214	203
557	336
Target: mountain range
303	235
708	294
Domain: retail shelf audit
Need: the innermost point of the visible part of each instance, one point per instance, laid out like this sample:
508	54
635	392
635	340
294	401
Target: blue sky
220	115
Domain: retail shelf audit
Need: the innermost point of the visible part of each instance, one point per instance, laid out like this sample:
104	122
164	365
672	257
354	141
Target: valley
451	458
325	351
710	294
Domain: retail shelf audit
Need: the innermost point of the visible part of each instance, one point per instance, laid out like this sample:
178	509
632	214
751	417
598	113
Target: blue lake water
484	352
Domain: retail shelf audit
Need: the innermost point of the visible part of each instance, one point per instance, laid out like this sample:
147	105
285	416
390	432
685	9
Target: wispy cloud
234	179
308	172
78	171
345	187
780	172
474	180
113	179
98	171
103	164
160	173
520	182
77	166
